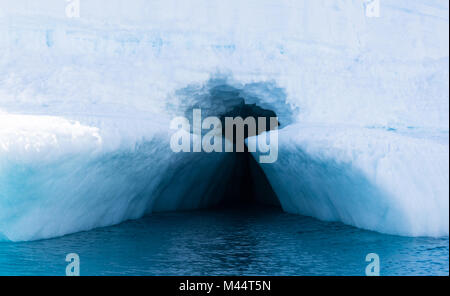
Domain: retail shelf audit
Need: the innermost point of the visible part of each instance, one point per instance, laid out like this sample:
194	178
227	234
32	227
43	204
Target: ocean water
242	241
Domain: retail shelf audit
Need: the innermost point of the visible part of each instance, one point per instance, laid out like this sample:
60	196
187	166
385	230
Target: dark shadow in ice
205	180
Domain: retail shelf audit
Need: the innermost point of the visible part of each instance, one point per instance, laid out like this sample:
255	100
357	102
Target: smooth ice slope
85	106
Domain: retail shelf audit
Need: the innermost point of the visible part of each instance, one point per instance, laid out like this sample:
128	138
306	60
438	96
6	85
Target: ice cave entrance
246	182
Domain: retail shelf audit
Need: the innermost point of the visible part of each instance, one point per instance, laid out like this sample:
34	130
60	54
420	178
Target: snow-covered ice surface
85	106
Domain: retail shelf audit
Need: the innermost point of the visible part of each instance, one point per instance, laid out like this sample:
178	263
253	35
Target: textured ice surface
85	105
390	181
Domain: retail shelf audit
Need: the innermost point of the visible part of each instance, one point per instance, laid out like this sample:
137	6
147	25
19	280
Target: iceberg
86	102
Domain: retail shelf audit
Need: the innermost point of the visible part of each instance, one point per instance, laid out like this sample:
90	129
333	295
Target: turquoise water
245	241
